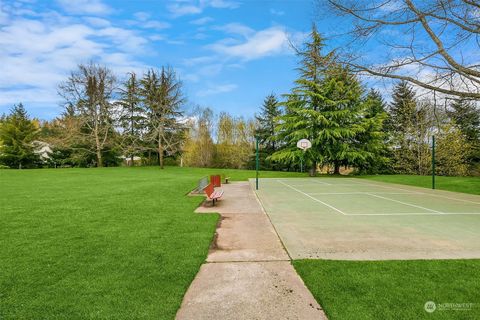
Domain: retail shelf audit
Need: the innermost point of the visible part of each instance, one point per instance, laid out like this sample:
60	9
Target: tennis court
348	218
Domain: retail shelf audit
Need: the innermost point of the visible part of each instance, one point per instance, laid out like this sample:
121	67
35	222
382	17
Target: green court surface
332	218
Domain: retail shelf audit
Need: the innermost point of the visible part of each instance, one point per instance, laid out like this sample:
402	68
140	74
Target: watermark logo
430	306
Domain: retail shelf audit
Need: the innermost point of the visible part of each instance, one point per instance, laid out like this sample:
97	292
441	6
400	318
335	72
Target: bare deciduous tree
89	91
430	43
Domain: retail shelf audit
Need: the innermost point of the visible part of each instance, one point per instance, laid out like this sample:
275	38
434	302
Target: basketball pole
256	162
433	161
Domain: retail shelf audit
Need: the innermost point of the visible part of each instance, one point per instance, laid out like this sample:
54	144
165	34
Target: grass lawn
393	289
457	184
101	243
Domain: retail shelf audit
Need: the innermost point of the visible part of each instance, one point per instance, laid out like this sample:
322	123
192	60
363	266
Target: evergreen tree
17	134
327	108
401	126
163	98
132	117
267	120
375	139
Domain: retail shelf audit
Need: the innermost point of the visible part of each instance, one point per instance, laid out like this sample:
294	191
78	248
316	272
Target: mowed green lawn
456	184
101	243
394	290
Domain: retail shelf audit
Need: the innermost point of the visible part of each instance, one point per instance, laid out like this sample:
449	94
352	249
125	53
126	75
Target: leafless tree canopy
433	44
88	91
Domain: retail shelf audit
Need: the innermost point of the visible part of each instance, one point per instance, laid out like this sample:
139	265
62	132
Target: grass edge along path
395	289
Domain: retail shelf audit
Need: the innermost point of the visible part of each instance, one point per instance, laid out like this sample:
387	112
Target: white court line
353	193
315	199
413	214
418	192
321	182
404	203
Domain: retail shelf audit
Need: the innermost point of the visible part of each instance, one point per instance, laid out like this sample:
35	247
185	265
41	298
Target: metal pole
256	162
433	162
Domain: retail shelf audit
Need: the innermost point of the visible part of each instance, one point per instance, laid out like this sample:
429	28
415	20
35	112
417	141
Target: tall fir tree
266	122
401	126
18	134
163	97
375	139
132	118
326	107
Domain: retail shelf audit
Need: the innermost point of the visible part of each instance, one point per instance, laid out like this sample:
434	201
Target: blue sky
229	53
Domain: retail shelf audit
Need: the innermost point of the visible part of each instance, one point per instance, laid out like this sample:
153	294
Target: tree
431	51
375	139
18	134
163	97
89	91
401	126
451	151
267	120
199	148
466	116
132	117
235	138
327	108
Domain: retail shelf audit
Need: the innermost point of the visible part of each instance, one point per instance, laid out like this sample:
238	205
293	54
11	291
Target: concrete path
248	274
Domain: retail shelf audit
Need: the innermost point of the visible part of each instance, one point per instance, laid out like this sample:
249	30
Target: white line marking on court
353	193
314	199
417	192
321	182
413	214
405	203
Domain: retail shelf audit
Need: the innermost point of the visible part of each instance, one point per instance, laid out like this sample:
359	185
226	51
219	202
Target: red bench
216	180
212	194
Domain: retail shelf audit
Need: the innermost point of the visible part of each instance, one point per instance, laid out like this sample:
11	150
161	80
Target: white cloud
263	43
153	24
222	4
97	22
39	53
277	12
143	20
217	89
183	9
85	6
236	28
202	21
3	15
189	7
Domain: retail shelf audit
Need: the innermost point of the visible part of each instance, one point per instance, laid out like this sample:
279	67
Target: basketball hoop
304	144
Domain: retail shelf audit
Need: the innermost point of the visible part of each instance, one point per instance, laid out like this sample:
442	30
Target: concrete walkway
248	274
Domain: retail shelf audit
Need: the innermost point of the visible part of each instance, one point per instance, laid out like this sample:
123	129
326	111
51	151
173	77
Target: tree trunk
99	158
98	147
313	170
131	161
160	148
336	168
